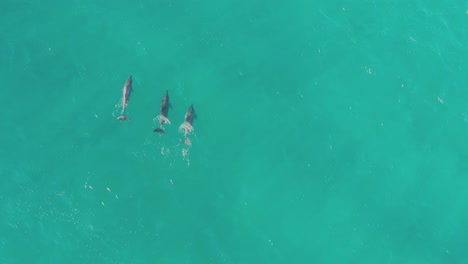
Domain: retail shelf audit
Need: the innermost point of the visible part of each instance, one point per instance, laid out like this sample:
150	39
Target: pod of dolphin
186	126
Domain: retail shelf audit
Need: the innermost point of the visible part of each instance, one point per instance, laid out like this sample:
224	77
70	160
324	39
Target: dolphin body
163	114
186	126
127	91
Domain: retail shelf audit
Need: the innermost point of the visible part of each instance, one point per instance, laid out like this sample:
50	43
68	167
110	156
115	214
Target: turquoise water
327	132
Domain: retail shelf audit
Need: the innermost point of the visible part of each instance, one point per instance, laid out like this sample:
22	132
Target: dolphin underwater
127	90
162	117
186	126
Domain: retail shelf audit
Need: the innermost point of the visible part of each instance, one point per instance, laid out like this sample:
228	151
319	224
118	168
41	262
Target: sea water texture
327	132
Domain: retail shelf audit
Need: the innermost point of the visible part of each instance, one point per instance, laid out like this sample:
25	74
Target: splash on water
185	155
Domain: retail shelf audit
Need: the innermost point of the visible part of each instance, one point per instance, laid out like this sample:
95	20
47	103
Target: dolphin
127	90
163	114
187	124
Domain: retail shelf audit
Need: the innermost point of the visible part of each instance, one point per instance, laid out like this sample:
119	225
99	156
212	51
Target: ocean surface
326	132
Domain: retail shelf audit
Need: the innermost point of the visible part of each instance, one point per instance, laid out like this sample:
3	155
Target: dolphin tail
187	142
122	117
159	130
